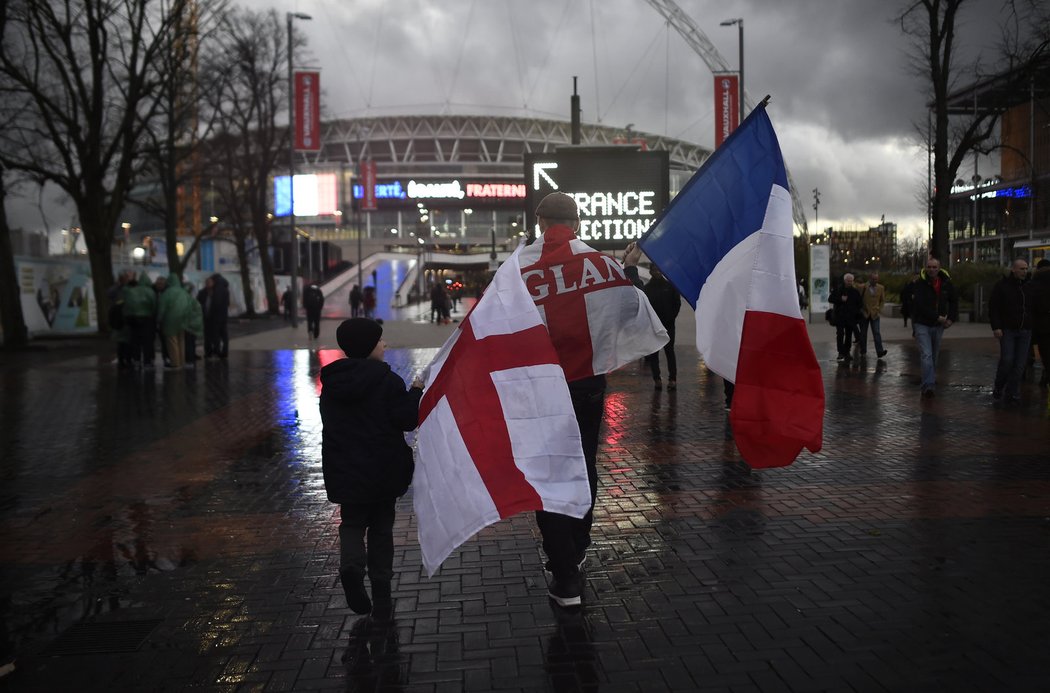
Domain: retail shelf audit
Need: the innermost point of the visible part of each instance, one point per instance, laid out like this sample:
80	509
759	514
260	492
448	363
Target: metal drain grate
96	638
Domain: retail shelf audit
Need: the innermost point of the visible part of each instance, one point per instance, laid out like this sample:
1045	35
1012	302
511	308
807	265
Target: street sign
620	191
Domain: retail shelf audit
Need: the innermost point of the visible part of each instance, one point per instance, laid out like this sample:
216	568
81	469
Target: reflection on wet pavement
196	498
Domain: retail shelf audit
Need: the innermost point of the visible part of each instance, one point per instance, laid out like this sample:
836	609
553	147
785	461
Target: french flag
725	242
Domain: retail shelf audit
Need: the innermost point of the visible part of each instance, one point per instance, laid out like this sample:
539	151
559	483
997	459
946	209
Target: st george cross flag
497	433
725	242
597	318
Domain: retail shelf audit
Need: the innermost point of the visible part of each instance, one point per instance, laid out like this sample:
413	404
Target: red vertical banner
307	111
727	106
368	183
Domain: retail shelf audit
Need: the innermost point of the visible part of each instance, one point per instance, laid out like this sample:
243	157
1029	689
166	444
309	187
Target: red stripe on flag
562	273
465	380
778	403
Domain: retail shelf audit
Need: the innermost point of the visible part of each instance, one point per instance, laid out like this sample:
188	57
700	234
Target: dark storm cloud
843	99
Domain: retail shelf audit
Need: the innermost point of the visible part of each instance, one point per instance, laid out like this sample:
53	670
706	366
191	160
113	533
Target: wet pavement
169	531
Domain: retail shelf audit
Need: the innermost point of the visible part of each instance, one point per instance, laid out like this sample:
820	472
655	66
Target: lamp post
739	22
291	171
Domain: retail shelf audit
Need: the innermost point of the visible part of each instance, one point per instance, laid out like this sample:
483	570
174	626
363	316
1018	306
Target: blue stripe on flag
721	205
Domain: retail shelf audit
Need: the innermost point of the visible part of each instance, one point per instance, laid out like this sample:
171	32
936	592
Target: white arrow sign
539	170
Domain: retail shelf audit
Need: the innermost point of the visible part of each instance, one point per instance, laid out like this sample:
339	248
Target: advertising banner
307	111
368	182
727	106
819	279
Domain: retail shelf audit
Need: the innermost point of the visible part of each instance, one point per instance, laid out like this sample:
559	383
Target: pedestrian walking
287	304
368	301
313	302
1040	294
907	294
934	309
873	298
216	308
366	463
585	351
355	301
194	328
667	302
846	305
1010	312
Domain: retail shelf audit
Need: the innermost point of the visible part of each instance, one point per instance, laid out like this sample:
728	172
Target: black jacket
1040	295
664	298
927	306
1010	305
847	312
365	411
313	298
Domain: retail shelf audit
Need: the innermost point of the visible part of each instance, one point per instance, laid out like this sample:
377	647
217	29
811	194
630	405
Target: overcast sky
843	101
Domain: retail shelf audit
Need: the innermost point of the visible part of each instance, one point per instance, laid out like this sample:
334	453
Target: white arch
702	46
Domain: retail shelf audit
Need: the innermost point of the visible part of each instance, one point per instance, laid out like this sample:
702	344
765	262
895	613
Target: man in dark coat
1010	312
313	302
215	304
355	301
934	308
367	464
846	302
666	301
1040	293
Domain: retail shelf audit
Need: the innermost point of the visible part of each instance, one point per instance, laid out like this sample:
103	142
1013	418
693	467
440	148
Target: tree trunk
260	229
246	275
15	333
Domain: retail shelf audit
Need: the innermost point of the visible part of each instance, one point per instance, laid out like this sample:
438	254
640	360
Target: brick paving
911	554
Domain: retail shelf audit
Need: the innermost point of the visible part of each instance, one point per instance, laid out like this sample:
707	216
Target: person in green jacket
173	314
194	327
140	314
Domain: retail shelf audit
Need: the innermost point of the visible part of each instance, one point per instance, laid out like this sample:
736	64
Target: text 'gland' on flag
497	432
725	241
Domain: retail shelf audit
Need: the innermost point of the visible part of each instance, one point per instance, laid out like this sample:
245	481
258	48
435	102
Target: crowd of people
144	313
1018	312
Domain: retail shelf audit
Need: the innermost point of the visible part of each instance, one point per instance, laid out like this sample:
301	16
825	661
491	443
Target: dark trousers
216	338
376	522
313	322
672	362
1042	342
143	339
1013	358
191	347
565	539
845	335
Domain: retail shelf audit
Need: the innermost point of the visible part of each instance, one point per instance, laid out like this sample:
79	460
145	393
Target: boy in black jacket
367	464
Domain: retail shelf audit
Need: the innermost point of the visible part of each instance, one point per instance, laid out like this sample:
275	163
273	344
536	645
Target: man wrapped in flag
513	407
725	242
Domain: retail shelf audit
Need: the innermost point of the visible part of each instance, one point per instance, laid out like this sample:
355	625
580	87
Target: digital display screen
619	191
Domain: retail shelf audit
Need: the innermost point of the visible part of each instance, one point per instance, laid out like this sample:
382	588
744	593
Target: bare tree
951	134
88	72
173	151
249	96
11	318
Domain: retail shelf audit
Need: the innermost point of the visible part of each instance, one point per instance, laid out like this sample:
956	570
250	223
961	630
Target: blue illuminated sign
1021	191
384	191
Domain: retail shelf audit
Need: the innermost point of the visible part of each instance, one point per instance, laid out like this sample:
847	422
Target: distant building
1004	215
860	251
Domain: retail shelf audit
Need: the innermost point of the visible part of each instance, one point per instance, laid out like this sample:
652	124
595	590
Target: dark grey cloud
843	100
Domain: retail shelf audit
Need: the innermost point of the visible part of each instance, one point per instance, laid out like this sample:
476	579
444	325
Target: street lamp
740	24
291	171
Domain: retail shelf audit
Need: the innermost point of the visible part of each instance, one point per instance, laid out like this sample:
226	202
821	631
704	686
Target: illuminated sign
619	191
445	190
314	195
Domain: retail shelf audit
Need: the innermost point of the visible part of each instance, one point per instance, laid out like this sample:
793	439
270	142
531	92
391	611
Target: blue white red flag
497	432
725	242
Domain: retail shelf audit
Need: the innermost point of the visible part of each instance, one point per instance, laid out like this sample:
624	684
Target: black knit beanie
357	337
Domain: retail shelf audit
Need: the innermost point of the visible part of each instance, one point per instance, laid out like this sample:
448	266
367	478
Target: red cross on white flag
497	433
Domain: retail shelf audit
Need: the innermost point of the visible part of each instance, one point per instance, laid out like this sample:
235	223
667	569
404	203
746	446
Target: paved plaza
169	531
